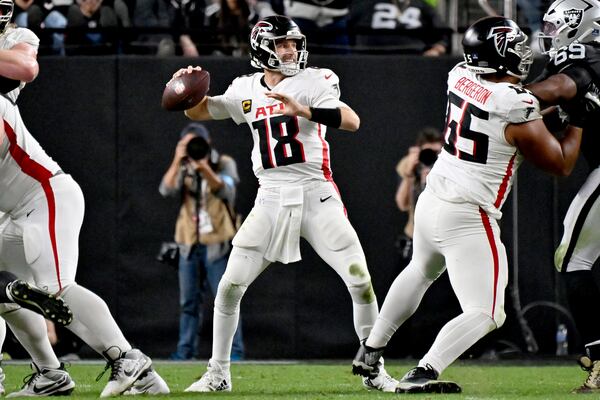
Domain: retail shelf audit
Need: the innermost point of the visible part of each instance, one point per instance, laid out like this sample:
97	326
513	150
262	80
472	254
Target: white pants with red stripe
461	238
43	235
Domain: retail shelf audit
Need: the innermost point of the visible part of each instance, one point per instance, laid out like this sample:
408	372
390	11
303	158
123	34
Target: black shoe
48	305
366	362
424	380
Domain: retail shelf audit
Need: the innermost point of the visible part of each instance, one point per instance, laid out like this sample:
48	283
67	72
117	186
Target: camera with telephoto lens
428	157
197	148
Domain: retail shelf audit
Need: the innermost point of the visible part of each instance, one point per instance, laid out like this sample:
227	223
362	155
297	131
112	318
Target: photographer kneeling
206	182
413	170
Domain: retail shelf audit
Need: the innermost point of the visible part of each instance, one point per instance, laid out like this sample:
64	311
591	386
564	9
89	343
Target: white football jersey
287	150
477	164
9	38
23	162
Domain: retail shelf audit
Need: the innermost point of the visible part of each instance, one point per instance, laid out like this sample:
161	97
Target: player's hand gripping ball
186	89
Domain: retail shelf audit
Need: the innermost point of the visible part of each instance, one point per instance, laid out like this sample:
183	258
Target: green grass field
317	380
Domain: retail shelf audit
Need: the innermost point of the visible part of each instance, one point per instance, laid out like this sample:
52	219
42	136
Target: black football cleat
424	380
51	307
366	362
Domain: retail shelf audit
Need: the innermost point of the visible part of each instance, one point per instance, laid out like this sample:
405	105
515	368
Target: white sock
225	319
92	320
401	302
365	316
456	337
31	331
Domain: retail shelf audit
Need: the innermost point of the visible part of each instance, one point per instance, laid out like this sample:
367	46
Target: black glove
577	112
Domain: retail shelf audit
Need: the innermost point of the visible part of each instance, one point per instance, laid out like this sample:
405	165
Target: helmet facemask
6	12
525	54
275	63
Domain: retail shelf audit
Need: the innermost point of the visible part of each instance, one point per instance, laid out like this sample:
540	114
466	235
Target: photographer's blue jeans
196	276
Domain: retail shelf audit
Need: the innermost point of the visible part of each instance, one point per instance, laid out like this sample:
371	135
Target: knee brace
497	321
362	293
229	296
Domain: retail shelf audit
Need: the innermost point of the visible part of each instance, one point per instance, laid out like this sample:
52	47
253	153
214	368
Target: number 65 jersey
287	150
477	164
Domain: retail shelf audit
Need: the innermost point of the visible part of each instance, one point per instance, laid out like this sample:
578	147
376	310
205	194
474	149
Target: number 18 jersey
287	150
477	164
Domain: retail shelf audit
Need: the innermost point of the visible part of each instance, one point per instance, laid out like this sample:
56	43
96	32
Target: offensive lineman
288	108
492	124
571	39
44	210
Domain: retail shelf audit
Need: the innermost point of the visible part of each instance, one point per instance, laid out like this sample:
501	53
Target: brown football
186	90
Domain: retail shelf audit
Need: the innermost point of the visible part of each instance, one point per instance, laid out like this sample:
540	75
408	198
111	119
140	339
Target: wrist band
327	116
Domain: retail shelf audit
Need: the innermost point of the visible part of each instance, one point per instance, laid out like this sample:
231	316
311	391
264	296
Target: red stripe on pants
490	235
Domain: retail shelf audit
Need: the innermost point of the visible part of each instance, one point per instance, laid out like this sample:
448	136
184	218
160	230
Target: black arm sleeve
8	85
581	77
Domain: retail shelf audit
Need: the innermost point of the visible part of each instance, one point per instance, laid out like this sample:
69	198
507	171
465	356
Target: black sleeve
8	85
580	76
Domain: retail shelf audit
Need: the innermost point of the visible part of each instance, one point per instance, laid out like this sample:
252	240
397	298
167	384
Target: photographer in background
206	182
413	169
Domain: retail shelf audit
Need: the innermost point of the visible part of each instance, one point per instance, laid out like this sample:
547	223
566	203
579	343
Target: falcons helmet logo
502	35
260	27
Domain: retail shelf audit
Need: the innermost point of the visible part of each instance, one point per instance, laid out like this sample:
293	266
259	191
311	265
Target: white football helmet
568	21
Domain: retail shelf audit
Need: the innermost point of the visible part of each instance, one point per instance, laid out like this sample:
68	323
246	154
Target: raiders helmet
497	45
567	21
263	53
6	12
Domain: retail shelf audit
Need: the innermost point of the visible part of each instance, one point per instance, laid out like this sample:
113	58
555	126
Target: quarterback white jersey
9	39
477	164
287	150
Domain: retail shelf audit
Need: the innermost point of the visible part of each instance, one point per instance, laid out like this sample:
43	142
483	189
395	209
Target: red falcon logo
502	35
260	27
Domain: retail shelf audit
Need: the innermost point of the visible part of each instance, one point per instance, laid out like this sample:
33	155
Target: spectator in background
206	182
183	15
232	20
413	170
39	14
414	27
325	23
86	16
532	10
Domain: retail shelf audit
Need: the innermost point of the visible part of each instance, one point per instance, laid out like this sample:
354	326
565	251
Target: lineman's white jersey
23	162
287	150
477	164
9	39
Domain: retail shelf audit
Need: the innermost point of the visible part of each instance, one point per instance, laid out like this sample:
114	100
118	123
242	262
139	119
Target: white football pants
323	223
461	238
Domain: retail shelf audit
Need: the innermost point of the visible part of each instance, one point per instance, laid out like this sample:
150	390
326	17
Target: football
186	90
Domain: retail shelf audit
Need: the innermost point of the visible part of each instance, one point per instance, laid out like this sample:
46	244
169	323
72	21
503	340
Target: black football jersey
581	62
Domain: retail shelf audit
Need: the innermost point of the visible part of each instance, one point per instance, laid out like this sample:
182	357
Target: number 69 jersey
477	164
287	150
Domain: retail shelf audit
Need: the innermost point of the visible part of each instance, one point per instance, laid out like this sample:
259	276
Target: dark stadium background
100	118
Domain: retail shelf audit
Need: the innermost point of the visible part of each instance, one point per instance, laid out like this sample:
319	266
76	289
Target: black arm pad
327	116
8	85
